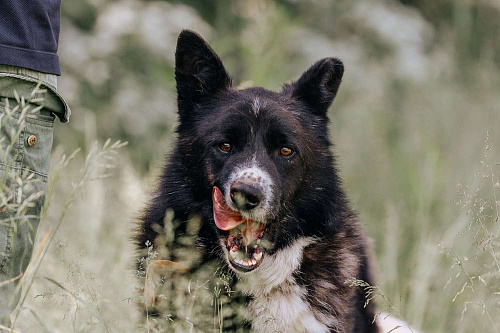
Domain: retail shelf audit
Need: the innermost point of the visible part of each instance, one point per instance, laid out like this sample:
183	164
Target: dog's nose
245	196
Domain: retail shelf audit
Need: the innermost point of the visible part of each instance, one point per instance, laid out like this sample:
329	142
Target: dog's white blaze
252	170
279	302
256	105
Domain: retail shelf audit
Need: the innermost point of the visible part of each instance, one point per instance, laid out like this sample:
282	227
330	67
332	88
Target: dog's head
258	152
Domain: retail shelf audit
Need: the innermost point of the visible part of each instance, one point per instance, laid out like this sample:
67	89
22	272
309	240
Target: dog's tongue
225	218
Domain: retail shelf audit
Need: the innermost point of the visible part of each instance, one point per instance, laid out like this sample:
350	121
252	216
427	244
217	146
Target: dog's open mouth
243	237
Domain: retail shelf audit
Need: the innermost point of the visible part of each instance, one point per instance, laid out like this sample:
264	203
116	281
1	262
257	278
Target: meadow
415	127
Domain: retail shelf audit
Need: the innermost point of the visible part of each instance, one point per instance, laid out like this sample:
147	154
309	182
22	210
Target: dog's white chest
283	310
279	303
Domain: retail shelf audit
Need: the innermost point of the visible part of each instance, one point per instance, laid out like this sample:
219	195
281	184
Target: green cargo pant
28	106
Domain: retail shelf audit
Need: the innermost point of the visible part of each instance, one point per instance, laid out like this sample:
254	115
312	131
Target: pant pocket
38	137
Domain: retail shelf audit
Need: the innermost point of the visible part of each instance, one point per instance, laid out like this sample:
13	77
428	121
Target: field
416	127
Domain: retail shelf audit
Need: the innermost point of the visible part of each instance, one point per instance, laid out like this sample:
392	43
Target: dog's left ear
318	86
198	70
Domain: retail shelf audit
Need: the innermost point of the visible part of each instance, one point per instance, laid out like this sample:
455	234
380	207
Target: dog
258	168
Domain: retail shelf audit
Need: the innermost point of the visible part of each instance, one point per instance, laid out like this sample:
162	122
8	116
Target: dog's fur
316	242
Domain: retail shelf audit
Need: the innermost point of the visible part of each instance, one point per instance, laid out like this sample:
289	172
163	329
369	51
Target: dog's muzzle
242	237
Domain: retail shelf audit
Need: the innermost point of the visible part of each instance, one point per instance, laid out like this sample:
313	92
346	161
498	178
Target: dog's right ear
198	70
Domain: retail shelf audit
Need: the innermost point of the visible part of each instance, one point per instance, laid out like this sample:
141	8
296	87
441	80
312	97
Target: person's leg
26	136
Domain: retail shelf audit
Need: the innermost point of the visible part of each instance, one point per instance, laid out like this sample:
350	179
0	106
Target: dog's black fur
307	202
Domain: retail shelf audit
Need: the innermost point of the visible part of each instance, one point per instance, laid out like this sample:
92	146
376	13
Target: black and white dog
258	168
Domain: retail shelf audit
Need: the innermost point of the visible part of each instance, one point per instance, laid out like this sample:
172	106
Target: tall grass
478	268
81	278
97	163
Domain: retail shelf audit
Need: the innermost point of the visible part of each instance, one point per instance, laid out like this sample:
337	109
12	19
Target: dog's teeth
248	262
233	254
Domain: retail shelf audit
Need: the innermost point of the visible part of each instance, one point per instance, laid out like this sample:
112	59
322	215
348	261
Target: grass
99	160
479	267
80	279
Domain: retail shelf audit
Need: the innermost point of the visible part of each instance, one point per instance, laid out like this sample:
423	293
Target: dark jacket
29	34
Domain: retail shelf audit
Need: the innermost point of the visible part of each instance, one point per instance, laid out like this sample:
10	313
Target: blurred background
418	113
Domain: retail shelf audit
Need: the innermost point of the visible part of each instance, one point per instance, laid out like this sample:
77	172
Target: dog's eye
225	147
286	151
